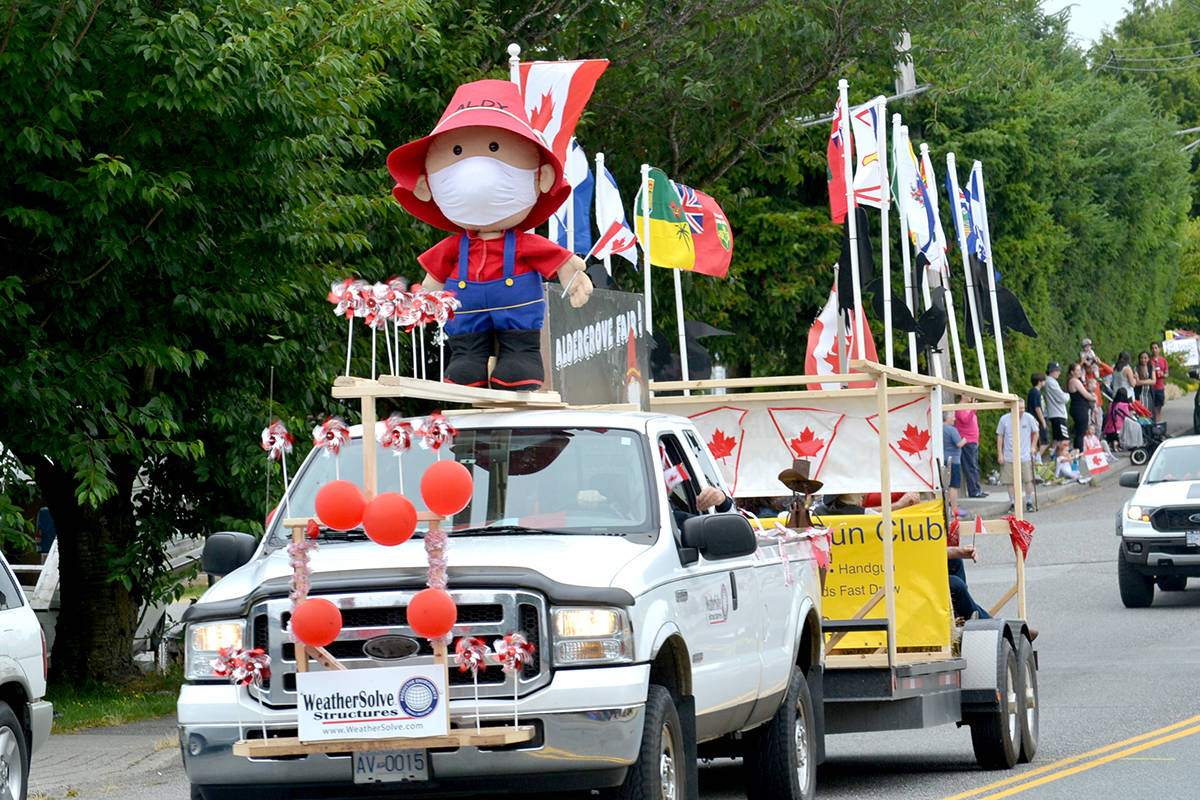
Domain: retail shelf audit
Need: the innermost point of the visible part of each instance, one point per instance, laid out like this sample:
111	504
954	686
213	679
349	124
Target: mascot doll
486	176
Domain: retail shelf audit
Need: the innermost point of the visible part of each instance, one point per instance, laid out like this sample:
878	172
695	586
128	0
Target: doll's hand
581	290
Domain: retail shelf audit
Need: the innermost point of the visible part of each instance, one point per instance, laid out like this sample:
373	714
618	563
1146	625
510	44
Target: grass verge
96	705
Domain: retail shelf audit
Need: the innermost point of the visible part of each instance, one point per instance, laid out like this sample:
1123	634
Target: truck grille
486	614
1175	519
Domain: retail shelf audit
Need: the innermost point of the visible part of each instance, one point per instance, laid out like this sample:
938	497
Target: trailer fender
982	641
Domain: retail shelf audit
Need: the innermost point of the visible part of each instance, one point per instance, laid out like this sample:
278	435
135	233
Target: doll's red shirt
485	257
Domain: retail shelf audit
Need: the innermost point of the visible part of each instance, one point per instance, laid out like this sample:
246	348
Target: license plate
1193	538
391	766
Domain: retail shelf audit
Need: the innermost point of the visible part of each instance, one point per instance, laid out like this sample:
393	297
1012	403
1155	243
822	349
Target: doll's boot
469	353
519	362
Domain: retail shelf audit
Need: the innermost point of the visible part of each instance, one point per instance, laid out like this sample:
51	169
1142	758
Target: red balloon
432	613
340	505
389	519
446	487
316	622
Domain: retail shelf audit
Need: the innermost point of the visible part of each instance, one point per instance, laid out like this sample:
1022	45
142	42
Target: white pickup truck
25	717
662	636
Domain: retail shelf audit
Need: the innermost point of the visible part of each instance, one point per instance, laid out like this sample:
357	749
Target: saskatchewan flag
670	235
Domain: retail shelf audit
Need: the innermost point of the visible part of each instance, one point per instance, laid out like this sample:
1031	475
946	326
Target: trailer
887	664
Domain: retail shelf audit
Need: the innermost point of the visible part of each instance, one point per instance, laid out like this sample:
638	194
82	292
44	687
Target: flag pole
961	231
991	273
944	270
848	160
596	206
646	249
683	359
884	208
570	201
910	295
934	364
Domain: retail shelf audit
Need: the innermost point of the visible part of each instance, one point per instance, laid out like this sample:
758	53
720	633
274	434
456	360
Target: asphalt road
1119	688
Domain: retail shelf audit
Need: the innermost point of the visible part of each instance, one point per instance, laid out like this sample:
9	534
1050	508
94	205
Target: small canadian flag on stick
1095	459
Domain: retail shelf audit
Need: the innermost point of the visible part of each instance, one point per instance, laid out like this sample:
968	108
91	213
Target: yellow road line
1057	765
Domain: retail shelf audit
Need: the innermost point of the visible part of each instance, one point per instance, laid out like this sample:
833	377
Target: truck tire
1172	583
659	772
780	758
1137	590
14	755
996	735
1031	714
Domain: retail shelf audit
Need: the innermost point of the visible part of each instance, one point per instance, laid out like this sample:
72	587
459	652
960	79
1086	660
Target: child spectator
1064	464
1093	442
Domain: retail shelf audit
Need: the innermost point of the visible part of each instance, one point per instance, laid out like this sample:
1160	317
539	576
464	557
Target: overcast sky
1089	17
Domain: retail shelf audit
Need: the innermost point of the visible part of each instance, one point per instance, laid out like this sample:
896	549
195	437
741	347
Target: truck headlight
204	641
1139	513
591	636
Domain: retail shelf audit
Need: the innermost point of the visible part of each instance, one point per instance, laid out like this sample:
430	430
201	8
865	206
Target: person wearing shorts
1026	432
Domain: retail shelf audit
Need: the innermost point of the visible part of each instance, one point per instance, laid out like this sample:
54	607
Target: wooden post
370	472
1018	501
301	648
885	489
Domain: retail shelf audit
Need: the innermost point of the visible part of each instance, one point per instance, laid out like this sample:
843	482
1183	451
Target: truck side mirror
1130	479
719	535
225	551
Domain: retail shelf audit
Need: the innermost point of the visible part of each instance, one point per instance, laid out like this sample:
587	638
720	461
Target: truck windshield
560	480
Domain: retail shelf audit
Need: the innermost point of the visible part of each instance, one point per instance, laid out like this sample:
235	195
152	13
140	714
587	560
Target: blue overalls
511	303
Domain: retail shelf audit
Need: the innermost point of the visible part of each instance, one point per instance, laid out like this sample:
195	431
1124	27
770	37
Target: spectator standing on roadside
1033	402
1144	379
1159	390
1123	377
1025	428
952	444
967	425
1056	404
1081	405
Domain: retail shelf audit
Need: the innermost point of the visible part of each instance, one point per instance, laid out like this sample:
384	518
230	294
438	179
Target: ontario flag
555	93
711	235
616	239
835	156
821	358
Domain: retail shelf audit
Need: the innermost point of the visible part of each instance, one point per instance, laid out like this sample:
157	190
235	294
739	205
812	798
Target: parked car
25	717
1159	525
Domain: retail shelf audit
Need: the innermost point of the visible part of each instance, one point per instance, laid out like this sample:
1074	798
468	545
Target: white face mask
480	191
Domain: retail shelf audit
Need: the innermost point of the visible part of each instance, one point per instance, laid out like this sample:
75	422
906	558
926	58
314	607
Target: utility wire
1119	68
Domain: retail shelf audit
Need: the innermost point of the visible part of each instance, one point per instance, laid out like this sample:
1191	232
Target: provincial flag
868	174
711	234
555	93
615	237
670	243
1096	460
579	175
912	196
937	255
835	158
821	357
977	237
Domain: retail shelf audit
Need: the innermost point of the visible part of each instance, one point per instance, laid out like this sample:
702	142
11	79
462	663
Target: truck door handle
733	589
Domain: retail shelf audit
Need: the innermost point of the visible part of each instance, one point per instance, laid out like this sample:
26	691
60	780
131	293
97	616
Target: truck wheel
1173	583
780	759
1137	590
14	756
659	772
1030	716
996	735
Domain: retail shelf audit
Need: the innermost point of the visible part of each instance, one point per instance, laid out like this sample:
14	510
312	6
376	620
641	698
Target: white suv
25	717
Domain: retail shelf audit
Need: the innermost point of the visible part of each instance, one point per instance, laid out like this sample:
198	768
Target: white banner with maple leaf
838	436
721	430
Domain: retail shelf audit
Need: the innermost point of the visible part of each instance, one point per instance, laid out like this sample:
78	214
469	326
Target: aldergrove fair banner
599	352
921	578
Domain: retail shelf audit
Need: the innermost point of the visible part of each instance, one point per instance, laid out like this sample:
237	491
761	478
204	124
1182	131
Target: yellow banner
921	582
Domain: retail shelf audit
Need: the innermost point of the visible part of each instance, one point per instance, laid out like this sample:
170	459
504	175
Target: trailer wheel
996	735
780	759
659	772
1030	713
1137	590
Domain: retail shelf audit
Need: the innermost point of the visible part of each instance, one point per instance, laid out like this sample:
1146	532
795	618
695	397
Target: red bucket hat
492	104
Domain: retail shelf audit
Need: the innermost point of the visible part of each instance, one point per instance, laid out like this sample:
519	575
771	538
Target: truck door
716	608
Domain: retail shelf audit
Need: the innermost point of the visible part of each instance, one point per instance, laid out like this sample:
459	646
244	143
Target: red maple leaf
914	441
542	115
807	444
721	446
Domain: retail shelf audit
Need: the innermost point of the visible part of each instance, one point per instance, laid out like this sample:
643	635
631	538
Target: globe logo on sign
418	697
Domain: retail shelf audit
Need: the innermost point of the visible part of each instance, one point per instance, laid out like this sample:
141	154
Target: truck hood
1167	493
574	559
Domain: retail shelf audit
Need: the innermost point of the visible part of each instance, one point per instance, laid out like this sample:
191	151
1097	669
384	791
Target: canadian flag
1095	459
616	239
555	93
821	357
673	475
722	430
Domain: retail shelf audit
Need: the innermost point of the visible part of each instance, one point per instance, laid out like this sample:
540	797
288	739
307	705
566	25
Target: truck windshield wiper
352	535
490	529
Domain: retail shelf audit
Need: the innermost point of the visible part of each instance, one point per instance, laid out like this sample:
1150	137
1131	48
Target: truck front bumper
590	724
